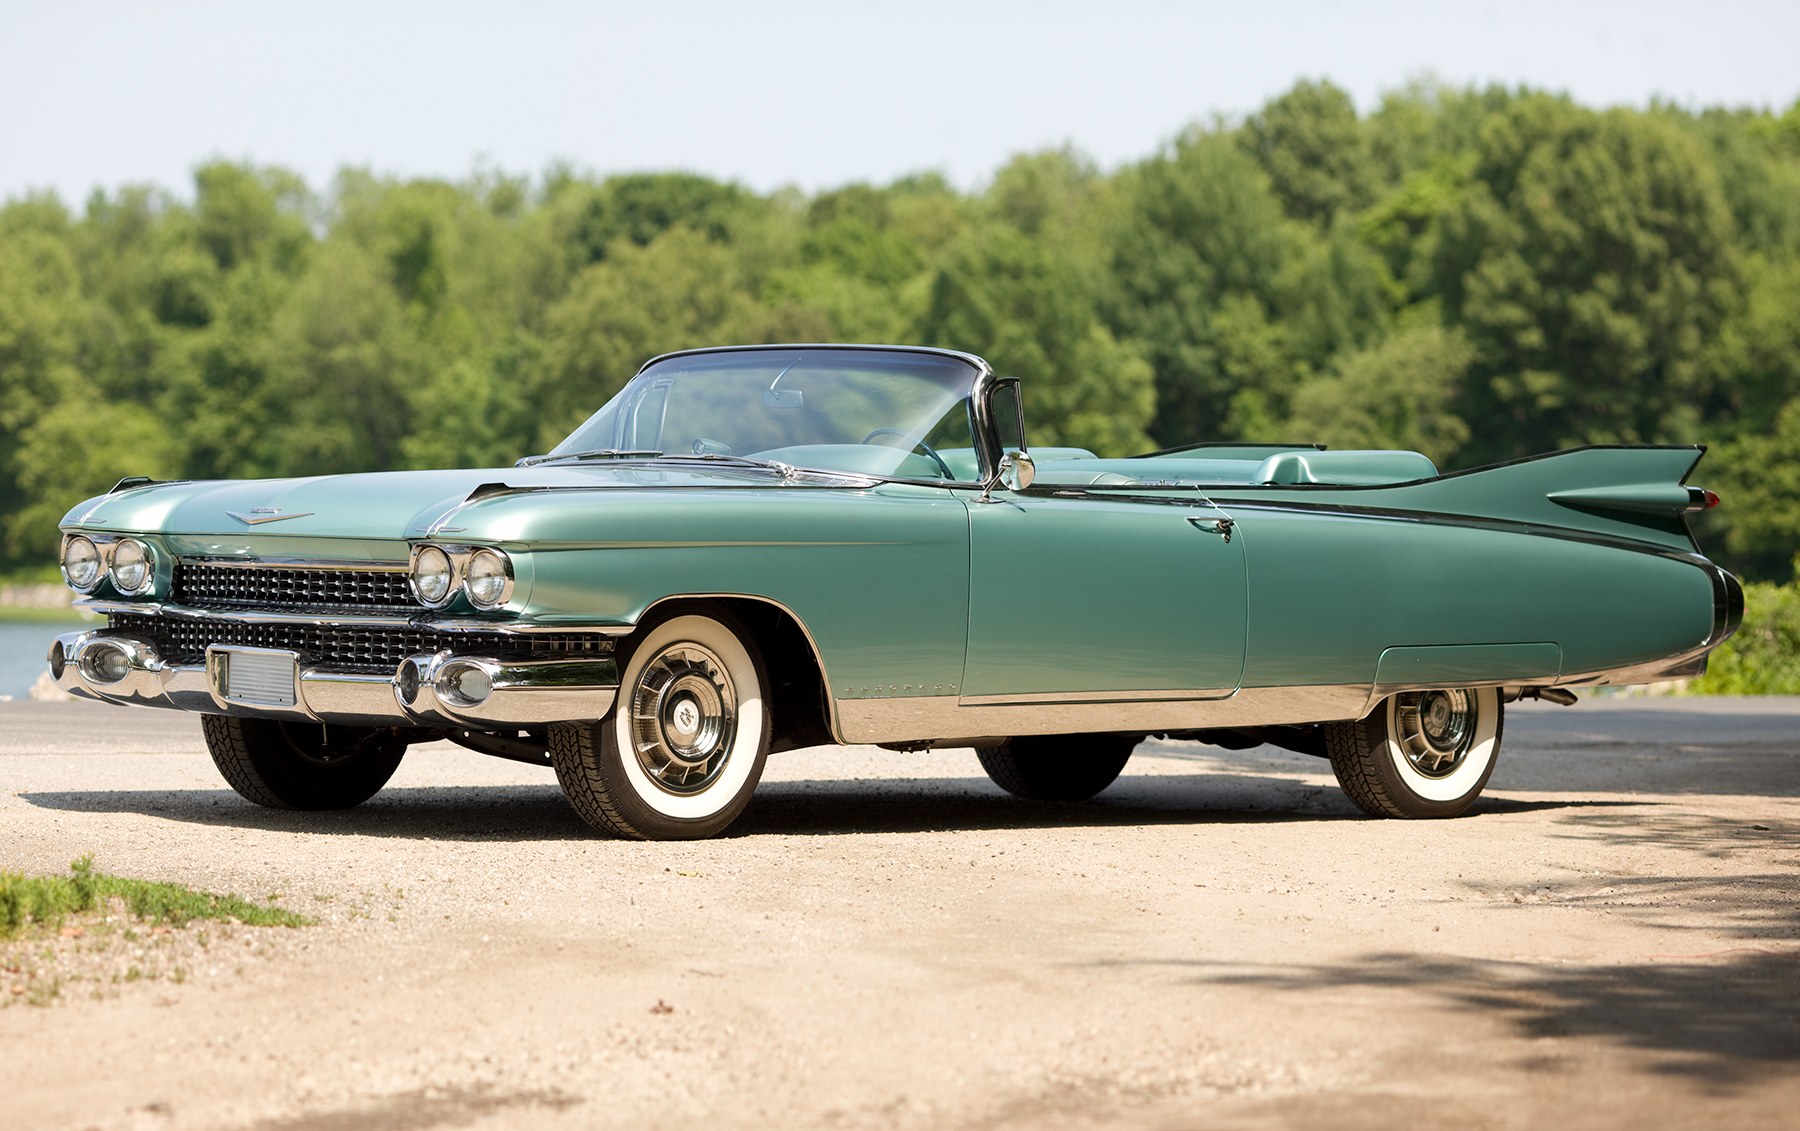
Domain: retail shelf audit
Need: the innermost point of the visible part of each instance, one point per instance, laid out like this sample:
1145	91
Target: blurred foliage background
1477	274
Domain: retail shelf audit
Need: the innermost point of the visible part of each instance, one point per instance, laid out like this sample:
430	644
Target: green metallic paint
879	577
1520	493
377	505
1330	592
1463	664
1066	594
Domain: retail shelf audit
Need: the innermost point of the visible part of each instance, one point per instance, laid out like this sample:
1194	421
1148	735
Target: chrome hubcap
1435	729
683	718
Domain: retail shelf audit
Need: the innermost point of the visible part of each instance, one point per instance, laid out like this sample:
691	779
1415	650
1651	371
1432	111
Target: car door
1076	597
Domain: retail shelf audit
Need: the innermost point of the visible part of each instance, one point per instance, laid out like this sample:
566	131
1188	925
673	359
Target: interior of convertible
1226	465
906	414
1231	465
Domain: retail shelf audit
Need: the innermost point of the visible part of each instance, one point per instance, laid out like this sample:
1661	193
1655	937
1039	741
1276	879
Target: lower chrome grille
347	647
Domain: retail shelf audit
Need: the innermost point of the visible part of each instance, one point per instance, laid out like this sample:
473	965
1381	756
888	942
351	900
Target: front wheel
301	765
1062	767
1420	753
684	747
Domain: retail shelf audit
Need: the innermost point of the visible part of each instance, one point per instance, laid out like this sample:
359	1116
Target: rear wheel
301	765
1420	753
1062	767
684	747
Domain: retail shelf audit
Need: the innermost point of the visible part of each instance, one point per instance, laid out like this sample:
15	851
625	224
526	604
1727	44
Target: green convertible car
759	548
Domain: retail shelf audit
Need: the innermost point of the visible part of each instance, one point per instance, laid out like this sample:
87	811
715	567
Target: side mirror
1017	471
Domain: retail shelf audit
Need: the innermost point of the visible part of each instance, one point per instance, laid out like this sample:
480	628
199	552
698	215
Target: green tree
40	321
1195	269
1030	313
1398	393
681	289
1757	477
1590	262
639	207
244	214
343	359
1314	150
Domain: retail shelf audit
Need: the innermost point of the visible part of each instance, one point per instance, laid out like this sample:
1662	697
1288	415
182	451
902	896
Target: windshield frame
981	386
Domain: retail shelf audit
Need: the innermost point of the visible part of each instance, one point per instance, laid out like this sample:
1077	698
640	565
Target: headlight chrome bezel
460	561
99	563
106	548
452	580
486	565
147	562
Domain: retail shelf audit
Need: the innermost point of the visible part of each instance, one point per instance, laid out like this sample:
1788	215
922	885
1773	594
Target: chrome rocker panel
421	692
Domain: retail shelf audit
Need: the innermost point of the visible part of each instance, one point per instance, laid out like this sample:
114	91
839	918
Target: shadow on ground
1728	1020
791	808
1654	827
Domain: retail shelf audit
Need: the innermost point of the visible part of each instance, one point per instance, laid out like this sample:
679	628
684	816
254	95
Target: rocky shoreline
48	595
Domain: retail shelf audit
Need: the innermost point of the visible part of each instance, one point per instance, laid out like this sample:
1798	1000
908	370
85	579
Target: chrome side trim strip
938	717
1649	672
1054	697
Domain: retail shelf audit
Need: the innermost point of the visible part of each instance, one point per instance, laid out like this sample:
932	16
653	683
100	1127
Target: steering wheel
918	445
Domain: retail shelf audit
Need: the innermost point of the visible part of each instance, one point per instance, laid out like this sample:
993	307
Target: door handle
1219	526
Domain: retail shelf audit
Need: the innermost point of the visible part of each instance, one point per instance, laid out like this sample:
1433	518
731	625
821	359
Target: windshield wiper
785	470
598	453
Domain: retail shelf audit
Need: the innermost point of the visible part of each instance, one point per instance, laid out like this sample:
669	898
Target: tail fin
1636	493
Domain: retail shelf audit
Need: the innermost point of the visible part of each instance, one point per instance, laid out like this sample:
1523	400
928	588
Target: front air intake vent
204	585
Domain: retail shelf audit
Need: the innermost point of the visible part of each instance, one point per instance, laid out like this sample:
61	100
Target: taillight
1700	499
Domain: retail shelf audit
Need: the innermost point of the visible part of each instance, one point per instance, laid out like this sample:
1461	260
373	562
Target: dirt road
1612	939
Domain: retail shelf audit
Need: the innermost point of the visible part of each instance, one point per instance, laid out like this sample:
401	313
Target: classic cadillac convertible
759	548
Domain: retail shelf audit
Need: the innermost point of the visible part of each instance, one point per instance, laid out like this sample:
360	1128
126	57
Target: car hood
377	505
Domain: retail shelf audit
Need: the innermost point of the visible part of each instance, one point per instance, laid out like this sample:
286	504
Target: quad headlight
132	570
483	574
129	563
81	565
433	576
488	579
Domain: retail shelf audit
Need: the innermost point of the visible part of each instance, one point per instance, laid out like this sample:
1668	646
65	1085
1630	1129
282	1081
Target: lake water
23	645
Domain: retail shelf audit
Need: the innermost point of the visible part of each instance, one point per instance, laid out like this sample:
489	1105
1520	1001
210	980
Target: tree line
1474	273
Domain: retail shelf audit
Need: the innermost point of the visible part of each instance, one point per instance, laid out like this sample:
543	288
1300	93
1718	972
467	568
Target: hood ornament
259	515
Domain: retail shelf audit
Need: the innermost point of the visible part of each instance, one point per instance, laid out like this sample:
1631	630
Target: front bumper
443	689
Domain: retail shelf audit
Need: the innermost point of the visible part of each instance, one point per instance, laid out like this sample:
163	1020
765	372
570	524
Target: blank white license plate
256	675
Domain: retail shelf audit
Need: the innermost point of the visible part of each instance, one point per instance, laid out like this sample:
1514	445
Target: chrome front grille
347	647
207	586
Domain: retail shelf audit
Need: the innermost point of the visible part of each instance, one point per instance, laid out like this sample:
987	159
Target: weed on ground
104	931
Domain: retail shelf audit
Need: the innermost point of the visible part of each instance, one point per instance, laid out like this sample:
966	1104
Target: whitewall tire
1420	753
685	744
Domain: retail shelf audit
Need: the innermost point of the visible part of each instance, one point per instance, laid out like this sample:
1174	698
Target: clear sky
814	93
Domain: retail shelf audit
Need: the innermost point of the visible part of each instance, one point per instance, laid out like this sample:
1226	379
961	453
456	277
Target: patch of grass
46	901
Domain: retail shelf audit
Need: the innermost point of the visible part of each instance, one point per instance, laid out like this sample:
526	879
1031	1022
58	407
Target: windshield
869	412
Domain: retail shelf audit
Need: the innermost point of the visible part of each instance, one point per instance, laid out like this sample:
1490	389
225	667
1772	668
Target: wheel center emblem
687	717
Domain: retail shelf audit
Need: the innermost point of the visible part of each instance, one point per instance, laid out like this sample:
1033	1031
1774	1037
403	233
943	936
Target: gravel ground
888	941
